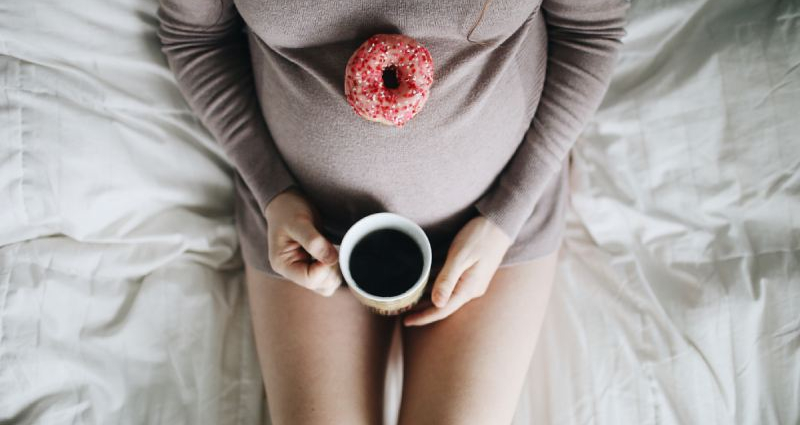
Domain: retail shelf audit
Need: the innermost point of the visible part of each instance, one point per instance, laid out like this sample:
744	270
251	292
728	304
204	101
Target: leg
323	360
469	368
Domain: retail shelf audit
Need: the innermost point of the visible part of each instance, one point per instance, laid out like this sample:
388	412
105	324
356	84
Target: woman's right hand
297	250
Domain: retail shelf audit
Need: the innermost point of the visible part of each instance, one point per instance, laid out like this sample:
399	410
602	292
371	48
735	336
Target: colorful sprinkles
364	85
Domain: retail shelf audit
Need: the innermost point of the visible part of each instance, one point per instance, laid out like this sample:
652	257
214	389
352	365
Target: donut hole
390	79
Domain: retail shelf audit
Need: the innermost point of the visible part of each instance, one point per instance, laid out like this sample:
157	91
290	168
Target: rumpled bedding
677	299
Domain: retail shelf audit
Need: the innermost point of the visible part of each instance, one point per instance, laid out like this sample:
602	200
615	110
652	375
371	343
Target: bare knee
464	411
312	414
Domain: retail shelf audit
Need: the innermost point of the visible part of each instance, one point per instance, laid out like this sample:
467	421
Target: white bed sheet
678	295
120	281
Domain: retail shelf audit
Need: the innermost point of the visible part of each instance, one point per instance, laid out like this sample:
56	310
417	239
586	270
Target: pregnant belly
431	174
431	170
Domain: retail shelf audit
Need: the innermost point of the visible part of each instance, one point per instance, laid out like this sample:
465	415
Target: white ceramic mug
385	220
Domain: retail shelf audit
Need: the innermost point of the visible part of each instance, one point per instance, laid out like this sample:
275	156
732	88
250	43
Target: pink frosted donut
387	79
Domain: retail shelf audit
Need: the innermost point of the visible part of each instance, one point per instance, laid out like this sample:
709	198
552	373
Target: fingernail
333	255
440	299
326	256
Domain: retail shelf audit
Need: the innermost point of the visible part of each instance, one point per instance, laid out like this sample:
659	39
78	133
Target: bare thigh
470	367
323	360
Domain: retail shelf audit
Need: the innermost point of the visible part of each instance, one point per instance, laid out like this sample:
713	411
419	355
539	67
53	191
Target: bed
677	299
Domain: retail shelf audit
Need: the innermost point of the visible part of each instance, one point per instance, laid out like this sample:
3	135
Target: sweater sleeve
583	39
208	52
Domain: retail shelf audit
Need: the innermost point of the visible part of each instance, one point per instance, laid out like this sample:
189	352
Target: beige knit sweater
267	79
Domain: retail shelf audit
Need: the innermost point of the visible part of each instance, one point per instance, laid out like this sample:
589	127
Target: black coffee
386	262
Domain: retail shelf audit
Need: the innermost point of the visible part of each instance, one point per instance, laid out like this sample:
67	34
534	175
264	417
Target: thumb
452	270
304	232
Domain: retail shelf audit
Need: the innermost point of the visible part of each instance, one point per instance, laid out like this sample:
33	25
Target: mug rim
426	256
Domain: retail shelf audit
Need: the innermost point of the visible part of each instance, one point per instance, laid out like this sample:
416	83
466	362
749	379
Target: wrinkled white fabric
677	299
678	296
121	296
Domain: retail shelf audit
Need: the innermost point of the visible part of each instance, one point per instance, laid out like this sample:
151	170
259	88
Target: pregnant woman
482	168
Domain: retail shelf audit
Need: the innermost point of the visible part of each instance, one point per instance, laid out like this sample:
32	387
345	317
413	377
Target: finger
433	313
447	279
304	232
422	304
309	274
294	263
331	283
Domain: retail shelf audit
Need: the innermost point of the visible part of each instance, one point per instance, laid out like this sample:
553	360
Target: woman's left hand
472	261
